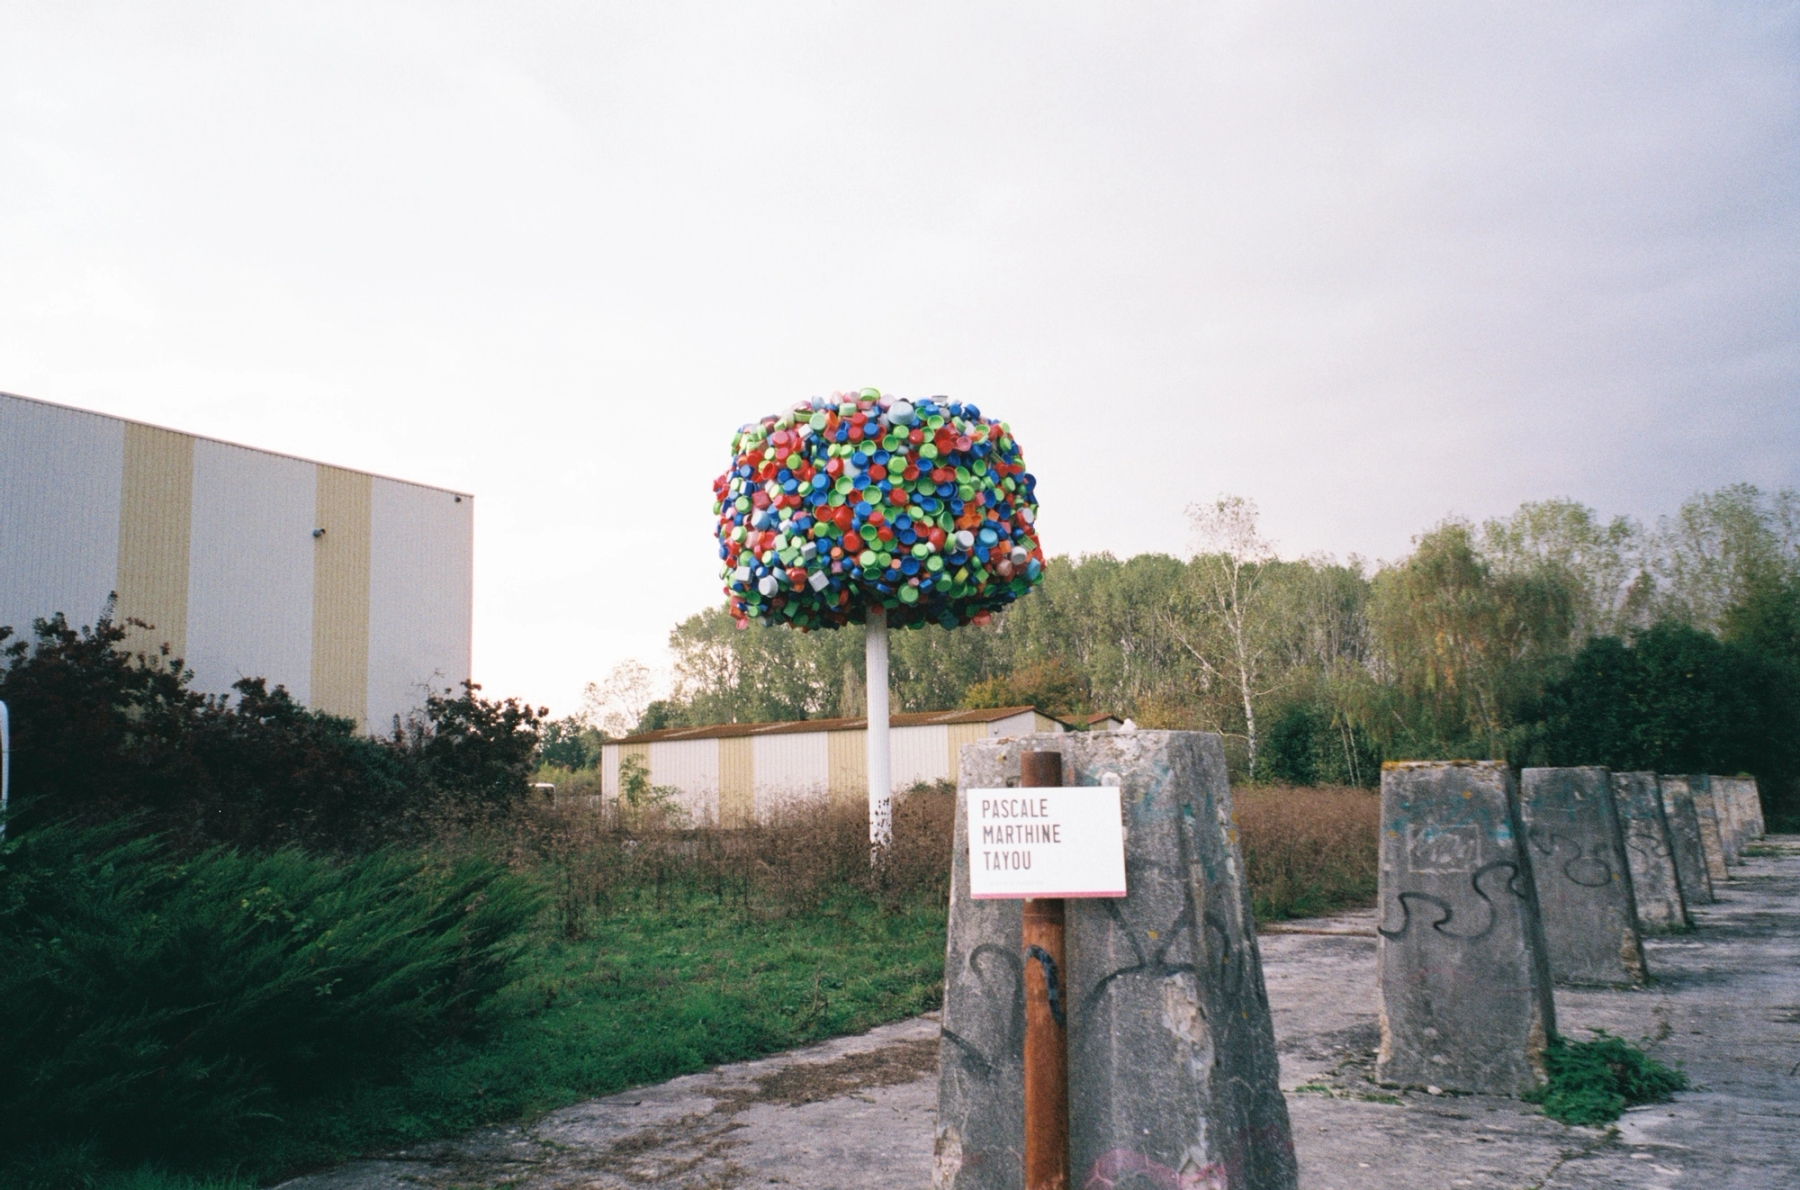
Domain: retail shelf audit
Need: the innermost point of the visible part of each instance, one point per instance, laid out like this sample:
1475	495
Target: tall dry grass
598	858
1308	850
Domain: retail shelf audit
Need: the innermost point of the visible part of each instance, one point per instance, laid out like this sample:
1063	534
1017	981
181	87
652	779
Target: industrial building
733	773
351	590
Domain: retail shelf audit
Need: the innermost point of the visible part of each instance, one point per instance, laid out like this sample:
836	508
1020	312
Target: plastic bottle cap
810	533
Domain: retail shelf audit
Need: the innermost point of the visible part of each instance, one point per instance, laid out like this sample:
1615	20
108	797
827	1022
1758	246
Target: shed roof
716	731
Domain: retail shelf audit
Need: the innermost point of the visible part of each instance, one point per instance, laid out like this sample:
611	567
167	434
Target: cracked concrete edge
509	1153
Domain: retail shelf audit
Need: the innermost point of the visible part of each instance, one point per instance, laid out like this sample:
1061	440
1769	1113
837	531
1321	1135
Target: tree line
1551	635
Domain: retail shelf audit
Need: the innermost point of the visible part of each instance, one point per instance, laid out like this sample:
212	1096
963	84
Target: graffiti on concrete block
1488	913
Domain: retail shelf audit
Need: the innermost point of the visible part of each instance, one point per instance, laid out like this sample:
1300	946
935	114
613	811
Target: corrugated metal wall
617	754
691	766
340	599
790	769
737	782
1024	723
746	777
250	569
958	735
214	545
60	477
156	510
918	754
421	594
609	772
847	758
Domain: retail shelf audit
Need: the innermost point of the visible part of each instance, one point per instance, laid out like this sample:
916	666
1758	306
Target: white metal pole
881	785
5	766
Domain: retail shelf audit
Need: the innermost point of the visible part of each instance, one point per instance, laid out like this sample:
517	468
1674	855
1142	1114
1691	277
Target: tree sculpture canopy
855	501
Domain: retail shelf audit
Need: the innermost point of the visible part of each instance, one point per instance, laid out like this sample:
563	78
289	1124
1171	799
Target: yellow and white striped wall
351	590
734	773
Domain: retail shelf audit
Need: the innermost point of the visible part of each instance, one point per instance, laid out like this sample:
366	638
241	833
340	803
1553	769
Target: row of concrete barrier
1494	890
1172	1071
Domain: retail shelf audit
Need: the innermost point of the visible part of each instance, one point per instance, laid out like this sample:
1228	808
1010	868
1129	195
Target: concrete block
1712	841
1684	839
1746	801
1583	877
1465	986
1733	831
1753	796
1740	802
980	1142
1655	886
1173	1077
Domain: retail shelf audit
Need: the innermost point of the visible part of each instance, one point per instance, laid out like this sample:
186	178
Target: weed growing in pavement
1592	1082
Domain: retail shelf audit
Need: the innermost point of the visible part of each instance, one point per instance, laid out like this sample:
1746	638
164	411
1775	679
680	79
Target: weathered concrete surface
1712	840
1734	832
1172	1069
980	1134
1583	878
1684	837
1465	988
855	1111
1739	814
1751	796
1725	1005
1655	888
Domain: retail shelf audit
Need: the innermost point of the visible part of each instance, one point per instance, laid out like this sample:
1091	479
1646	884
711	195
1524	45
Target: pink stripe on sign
1032	896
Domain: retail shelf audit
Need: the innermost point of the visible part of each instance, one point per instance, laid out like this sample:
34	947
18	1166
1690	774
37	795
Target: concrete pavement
854	1113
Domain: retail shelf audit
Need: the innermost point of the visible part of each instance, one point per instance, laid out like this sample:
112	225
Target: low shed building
351	590
734	773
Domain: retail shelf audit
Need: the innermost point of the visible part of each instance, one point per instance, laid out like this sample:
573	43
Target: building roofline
280	454
720	731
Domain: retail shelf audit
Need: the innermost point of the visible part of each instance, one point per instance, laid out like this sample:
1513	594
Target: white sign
1046	842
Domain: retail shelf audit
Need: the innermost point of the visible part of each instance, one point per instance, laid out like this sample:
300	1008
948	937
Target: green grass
654	994
1592	1082
659	966
79	1169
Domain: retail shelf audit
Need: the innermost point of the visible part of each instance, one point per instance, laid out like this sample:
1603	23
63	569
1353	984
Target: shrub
473	755
1306	746
1673	700
100	735
1054	687
161	1007
1287	751
570	743
1592	1082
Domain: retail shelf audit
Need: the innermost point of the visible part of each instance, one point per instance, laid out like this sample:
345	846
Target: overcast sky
1368	264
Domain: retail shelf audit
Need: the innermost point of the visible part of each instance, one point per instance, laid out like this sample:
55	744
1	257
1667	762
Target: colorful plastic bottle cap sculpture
859	500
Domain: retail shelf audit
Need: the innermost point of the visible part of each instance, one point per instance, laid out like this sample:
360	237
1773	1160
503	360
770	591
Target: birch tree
1226	589
616	705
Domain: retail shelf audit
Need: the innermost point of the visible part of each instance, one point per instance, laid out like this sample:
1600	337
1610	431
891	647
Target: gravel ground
856	1112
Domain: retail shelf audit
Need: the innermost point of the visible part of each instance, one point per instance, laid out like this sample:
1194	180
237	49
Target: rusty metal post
1046	1023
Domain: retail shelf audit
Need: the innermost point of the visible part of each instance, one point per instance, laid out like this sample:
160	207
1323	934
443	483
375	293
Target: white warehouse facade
353	591
734	773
